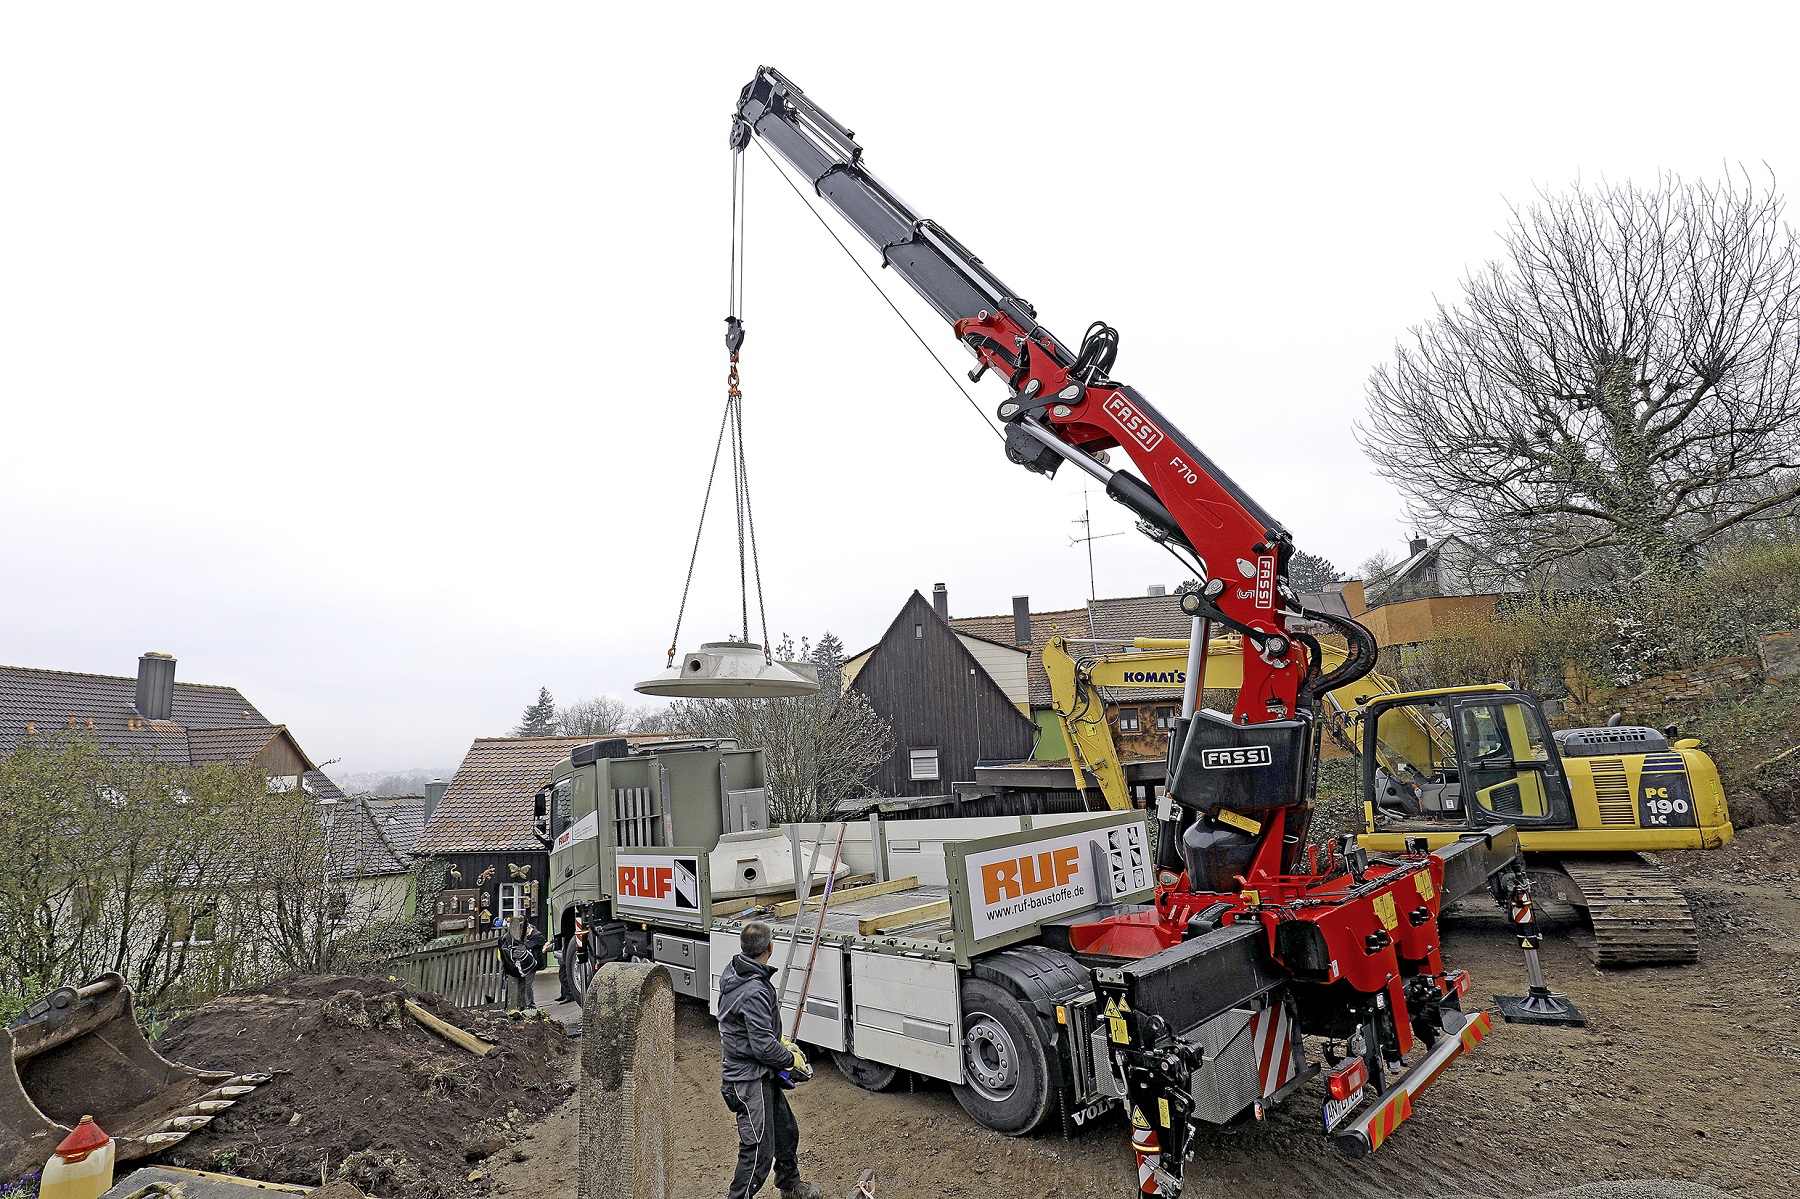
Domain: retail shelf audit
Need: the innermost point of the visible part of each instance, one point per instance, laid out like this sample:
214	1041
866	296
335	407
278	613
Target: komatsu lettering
1155	676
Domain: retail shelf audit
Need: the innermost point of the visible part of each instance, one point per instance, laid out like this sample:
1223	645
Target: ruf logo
1029	874
1132	421
659	882
646	882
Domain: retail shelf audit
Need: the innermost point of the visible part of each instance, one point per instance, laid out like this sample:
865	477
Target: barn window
924	763
512	902
918	632
1128	720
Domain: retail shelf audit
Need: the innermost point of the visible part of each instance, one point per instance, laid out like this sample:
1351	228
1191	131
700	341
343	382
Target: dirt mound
361	1090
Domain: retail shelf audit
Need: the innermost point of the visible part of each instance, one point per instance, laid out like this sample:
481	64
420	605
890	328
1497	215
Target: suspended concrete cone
732	670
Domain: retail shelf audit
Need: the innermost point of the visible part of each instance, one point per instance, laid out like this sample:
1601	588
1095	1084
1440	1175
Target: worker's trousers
768	1136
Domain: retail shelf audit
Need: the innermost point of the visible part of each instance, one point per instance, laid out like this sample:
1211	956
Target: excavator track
1639	914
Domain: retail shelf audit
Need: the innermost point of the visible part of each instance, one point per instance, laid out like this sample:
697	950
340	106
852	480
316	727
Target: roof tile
490	804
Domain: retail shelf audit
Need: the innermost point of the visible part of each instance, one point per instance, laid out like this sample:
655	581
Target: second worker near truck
757	1066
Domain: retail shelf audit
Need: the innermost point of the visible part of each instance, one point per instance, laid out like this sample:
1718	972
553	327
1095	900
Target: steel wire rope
857	263
694	556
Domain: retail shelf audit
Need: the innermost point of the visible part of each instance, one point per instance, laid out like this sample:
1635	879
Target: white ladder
803	895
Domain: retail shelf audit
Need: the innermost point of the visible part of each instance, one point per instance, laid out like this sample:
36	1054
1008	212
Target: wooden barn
953	700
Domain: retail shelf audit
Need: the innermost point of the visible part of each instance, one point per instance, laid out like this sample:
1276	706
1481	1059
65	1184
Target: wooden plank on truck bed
843	893
870	925
763	899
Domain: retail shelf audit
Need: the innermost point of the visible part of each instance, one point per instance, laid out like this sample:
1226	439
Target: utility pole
1088	536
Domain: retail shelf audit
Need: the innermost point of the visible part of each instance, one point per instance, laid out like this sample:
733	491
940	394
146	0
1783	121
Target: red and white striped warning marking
1277	1057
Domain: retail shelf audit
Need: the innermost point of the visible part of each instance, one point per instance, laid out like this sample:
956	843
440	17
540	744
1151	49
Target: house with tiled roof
154	715
1442	585
484	829
1141	716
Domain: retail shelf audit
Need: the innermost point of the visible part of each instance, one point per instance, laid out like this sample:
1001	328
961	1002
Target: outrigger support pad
1539	1005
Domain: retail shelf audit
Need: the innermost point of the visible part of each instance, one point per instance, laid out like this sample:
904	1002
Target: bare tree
1624	384
1378	568
604	716
820	748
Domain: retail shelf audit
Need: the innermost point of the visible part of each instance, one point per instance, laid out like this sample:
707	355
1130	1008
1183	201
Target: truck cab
607	802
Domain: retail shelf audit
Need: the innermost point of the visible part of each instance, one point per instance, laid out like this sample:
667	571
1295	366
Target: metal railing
465	973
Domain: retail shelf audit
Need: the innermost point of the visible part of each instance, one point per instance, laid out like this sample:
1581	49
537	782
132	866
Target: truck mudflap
1363	1134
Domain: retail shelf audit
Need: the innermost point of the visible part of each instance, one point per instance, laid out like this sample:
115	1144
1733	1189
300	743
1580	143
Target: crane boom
1063	407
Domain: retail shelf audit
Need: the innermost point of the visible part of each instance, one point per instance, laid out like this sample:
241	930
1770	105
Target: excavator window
1508	769
1417	774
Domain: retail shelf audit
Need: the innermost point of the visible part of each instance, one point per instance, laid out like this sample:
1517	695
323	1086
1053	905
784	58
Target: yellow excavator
1440	764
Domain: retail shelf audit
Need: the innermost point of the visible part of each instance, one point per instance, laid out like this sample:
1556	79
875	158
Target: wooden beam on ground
448	1031
848	891
870	925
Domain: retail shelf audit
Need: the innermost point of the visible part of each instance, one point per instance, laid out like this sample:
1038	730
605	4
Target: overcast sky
367	357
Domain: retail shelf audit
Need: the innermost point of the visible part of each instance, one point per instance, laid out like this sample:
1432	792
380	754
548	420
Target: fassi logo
646	882
1029	874
1133	422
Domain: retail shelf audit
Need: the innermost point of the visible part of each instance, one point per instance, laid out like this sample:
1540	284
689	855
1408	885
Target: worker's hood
741	970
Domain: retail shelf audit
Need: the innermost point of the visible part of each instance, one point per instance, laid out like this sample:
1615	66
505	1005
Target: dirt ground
1689	1073
361	1091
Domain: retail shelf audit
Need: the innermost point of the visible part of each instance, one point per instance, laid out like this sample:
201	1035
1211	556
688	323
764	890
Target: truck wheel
580	973
1005	1061
870	1076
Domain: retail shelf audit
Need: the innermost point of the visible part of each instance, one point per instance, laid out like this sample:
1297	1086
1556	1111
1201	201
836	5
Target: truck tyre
870	1076
578	974
1006	1063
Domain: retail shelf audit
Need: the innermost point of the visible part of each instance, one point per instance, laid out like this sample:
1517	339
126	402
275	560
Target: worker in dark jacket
520	959
758	1063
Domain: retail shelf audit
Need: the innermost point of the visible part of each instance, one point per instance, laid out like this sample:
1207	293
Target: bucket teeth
250	1080
227	1092
162	1139
207	1107
185	1124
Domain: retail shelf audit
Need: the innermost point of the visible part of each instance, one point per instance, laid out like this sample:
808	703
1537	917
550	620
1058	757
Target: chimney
434	792
156	686
940	600
1157	589
1417	546
1021	620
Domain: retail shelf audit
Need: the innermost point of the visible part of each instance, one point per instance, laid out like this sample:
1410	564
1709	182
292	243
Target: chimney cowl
940	600
1417	546
434	794
1021	620
156	686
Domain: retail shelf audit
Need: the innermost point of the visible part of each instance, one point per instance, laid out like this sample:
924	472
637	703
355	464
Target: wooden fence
466	973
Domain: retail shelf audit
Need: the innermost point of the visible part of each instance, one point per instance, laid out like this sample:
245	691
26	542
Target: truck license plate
1337	1109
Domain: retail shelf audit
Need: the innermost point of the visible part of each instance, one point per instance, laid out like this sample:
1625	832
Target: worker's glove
800	1071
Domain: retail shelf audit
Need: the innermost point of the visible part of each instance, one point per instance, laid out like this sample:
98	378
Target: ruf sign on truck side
664	883
1019	885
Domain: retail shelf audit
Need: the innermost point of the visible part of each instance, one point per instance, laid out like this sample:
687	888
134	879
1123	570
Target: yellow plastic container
81	1167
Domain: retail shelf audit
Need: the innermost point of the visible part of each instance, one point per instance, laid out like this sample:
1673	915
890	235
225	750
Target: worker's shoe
801	1190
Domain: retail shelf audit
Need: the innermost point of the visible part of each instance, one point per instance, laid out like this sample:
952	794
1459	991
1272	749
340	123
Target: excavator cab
1462	758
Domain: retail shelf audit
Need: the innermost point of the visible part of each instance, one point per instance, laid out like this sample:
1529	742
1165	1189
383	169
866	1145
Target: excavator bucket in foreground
79	1052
